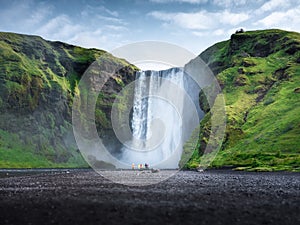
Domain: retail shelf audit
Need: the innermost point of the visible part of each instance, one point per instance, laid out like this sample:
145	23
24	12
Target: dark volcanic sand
212	197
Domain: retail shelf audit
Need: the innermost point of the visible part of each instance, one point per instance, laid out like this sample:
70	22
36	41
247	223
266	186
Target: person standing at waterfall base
146	166
132	166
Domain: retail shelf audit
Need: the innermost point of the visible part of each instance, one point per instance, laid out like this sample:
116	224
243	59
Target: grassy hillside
38	79
259	72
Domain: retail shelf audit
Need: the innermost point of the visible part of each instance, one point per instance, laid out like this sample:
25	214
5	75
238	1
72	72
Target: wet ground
211	197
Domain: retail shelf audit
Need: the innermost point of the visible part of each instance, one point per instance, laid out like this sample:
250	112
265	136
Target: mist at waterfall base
164	114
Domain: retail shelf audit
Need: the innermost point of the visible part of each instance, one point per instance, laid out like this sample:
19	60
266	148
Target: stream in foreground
211	197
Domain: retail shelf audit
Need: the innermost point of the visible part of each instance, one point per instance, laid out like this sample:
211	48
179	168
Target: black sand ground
211	197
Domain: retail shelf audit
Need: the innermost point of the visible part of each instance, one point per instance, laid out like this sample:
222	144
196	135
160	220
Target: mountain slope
259	72
38	80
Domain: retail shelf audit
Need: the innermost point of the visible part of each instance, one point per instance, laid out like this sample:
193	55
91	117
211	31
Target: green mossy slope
38	79
259	72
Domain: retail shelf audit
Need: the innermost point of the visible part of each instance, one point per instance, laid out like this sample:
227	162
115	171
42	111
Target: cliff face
38	80
259	72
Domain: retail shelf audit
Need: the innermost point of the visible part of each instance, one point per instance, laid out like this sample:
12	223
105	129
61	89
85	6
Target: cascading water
160	99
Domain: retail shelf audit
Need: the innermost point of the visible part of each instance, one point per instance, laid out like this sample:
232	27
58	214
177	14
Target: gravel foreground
211	197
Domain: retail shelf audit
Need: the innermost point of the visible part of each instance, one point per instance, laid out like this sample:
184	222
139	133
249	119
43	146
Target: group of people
140	166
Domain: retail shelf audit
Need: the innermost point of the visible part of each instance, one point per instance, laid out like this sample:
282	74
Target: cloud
89	39
185	20
229	3
62	28
115	28
97	39
111	19
201	20
41	12
200	33
100	24
181	1
274	4
59	28
227	17
97	27
90	11
24	15
110	12
219	32
282	19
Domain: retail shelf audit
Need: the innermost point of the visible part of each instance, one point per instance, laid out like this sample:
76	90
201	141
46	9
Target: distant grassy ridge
259	72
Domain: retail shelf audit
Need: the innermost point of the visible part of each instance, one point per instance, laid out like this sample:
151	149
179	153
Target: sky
191	24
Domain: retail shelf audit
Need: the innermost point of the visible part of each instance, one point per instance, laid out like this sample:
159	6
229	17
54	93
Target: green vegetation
259	72
38	80
15	154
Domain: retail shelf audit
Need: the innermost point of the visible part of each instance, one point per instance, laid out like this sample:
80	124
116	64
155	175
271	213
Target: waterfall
160	102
